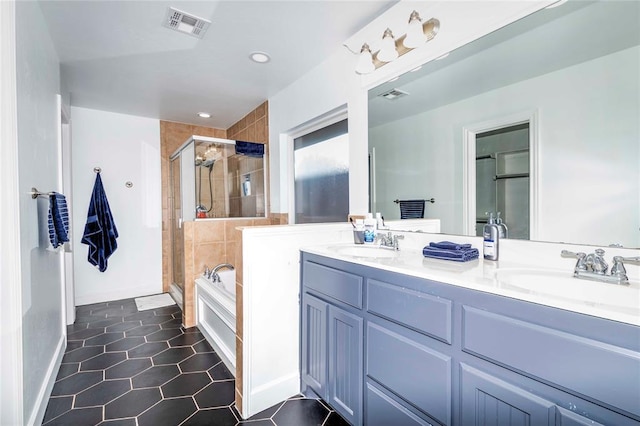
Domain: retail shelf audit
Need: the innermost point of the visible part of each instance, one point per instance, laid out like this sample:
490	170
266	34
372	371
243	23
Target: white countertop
511	278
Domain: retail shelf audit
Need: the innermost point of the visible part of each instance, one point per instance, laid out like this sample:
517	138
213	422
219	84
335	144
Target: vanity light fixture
390	48
204	115
260	57
365	61
415	35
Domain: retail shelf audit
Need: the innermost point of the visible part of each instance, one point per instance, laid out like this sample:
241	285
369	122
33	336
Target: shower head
207	163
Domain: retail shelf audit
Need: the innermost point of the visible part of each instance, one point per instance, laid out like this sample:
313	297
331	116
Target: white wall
38	83
581	157
127	148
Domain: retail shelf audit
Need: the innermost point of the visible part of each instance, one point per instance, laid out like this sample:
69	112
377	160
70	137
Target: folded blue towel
448	245
58	220
251	149
100	231
463	255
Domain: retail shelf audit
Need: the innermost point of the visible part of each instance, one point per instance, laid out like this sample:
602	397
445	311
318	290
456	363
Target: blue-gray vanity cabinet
424	352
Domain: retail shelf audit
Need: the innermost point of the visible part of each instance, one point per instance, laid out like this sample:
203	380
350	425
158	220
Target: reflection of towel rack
430	200
412	209
35	193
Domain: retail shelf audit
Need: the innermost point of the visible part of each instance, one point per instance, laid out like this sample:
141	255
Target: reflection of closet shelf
511	176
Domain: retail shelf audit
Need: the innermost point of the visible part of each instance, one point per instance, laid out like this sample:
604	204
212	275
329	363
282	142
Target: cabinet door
314	344
488	400
345	364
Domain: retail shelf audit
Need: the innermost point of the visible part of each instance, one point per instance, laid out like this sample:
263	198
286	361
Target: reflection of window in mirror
321	175
502	178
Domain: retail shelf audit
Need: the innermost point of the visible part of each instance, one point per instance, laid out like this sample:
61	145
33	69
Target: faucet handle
580	264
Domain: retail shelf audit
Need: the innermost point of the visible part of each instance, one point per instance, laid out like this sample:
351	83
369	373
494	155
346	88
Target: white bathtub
216	315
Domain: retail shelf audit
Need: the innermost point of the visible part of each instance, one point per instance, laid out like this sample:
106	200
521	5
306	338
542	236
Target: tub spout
214	272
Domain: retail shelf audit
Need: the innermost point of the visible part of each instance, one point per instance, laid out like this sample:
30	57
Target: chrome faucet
390	241
214	272
593	267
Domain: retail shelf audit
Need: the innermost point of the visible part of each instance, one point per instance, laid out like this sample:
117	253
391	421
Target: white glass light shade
365	61
415	34
388	50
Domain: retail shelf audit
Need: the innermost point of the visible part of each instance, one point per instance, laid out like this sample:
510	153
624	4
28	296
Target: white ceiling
116	55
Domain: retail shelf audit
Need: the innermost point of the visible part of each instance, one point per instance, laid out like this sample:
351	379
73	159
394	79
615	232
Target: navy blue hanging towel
251	149
100	231
58	220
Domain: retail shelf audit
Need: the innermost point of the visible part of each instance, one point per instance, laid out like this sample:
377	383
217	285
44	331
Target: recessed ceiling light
260	57
204	115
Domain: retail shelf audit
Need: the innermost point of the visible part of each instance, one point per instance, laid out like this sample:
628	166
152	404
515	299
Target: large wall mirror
539	120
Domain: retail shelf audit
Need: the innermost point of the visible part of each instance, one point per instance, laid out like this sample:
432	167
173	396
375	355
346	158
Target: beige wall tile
207	231
208	254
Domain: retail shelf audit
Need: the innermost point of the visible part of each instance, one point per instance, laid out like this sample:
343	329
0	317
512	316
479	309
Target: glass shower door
177	237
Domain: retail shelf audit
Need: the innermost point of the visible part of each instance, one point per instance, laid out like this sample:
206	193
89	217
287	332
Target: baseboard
128	293
37	415
271	393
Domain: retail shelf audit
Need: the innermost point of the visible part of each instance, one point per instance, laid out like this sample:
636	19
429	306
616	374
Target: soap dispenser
491	239
502	227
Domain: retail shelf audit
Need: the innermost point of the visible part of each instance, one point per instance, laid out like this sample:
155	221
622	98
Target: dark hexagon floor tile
167	310
128	368
215	416
67	369
220	372
83	416
102	393
155	376
266	422
266	414
105	323
147	349
85	334
103	361
335	419
103	339
138	316
173	355
187	339
82	354
143	330
132	403
120	422
217	394
172	323
74	344
185	385
199	362
123	326
191	330
168	412
76	383
72	328
159	319
124	344
167	334
202	346
301	411
57	406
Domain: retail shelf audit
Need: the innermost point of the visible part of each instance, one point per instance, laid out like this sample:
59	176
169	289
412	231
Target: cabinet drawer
337	284
424	313
556	356
384	411
416	373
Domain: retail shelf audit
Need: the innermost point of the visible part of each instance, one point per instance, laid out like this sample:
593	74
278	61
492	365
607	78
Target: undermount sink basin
564	284
372	252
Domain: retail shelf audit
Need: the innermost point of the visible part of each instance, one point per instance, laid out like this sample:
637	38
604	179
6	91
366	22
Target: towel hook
97	169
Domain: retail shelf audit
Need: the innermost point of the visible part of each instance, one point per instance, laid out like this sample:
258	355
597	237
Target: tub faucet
214	272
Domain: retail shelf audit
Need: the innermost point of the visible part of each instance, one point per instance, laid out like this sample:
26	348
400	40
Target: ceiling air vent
185	23
393	94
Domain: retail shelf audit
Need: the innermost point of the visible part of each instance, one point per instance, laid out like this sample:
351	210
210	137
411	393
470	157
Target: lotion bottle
369	229
491	237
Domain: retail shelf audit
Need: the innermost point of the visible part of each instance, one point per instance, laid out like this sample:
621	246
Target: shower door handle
179	223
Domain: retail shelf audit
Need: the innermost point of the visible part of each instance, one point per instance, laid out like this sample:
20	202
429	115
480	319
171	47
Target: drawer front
416	373
339	285
556	356
421	312
384	411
